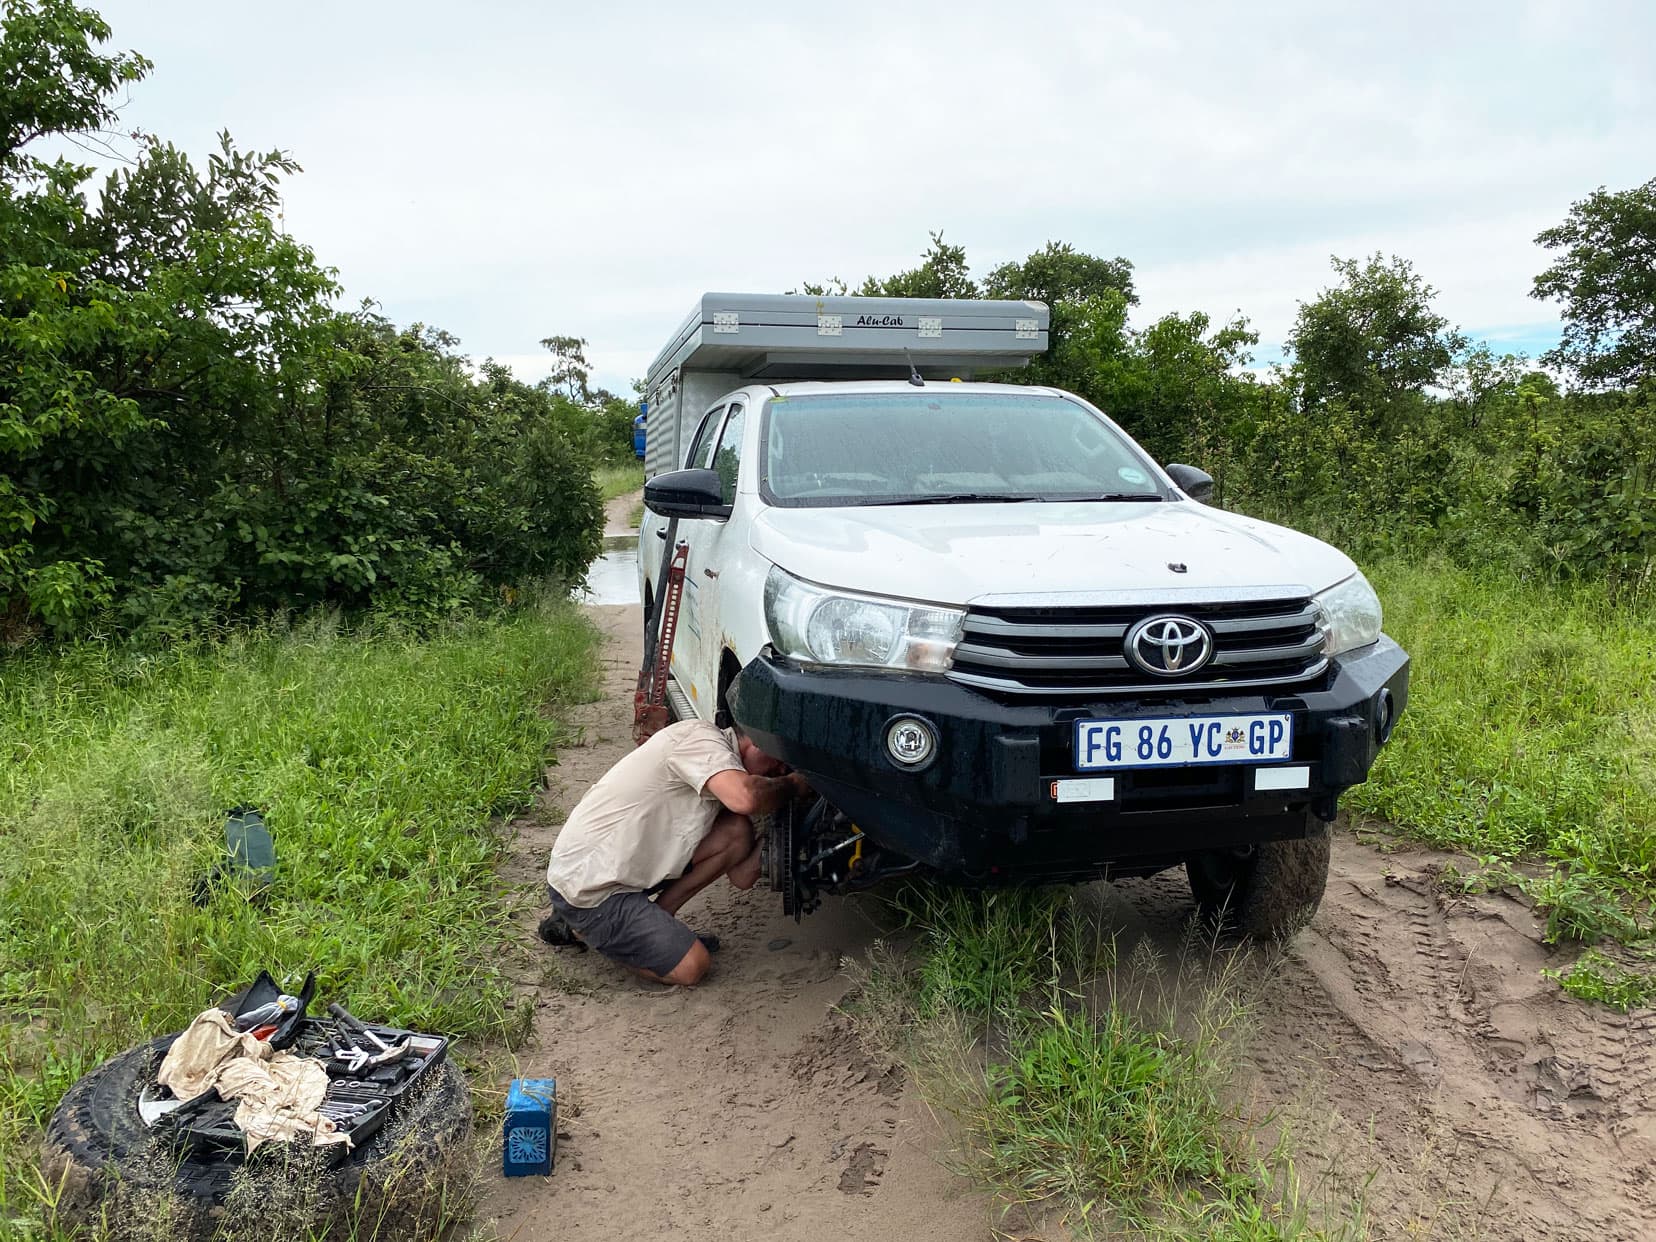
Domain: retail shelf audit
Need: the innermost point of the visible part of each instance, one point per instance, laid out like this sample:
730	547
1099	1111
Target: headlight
820	626
1350	615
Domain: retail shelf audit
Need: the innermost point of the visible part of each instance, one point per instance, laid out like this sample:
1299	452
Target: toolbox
362	1095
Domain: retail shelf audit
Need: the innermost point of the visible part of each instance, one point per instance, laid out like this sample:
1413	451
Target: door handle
661	533
711	573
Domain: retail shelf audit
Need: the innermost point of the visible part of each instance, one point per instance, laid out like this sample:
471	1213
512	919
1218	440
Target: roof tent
730	339
791	336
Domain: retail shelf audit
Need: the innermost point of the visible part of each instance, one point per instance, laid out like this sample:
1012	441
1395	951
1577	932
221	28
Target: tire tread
105	1158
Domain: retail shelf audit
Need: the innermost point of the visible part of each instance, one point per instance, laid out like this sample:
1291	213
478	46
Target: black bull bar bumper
983	807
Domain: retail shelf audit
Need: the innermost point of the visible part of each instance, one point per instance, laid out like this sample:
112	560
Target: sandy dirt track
1407	1032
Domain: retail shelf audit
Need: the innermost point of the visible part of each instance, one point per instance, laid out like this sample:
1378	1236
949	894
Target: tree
188	425
570	369
53	80
1606	280
1198	397
942	274
1067	281
1372	338
1058	272
54	309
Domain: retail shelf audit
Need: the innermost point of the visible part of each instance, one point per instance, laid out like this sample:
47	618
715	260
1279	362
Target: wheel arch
729	667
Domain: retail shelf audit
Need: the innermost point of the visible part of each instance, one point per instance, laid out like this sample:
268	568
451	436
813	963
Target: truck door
717	553
652	531
686	664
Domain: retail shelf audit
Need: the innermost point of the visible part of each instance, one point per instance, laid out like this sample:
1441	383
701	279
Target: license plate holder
1103	745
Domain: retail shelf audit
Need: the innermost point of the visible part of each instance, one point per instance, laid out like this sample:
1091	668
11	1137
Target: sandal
555	931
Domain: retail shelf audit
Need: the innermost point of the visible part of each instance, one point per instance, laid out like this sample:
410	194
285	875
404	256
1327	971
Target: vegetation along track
1406	1034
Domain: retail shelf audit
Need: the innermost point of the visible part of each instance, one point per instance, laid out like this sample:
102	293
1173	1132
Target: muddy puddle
613	577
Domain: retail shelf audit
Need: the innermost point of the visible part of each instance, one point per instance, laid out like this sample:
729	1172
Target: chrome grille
1071	652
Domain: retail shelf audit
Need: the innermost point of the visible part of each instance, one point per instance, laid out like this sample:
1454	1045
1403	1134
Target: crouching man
669	819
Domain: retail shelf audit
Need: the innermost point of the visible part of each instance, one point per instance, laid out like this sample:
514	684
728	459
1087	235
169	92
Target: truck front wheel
1267	891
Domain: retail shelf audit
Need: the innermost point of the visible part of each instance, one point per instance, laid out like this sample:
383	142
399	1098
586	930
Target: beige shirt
642	821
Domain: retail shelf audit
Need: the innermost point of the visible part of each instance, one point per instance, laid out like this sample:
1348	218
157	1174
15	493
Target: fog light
910	741
1385	717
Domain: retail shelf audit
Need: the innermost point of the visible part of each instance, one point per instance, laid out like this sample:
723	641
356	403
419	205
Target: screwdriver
267	1014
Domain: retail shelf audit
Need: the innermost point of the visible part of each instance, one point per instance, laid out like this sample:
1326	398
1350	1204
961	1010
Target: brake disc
786	855
775	844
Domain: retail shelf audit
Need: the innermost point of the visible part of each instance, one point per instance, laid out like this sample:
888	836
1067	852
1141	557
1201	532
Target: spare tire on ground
117	1175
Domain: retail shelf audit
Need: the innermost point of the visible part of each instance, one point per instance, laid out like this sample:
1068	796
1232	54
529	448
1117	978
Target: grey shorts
629	928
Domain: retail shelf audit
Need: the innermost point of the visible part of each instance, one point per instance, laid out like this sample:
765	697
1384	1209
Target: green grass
981	954
1122	1124
1530	734
616	481
1085	1089
379	761
1596	977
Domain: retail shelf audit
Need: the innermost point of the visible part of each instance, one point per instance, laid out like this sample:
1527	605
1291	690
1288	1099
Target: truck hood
982	553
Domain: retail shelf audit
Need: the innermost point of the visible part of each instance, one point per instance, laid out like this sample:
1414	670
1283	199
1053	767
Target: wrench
349	1019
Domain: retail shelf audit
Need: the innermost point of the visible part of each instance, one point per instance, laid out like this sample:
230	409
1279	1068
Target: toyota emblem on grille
1169	646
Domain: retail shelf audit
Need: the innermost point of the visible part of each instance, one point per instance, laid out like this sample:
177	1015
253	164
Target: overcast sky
509	170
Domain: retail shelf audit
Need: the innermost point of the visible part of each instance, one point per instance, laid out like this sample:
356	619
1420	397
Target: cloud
511	170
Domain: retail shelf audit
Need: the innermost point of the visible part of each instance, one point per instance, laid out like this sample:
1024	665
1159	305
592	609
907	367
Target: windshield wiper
965	498
1122	496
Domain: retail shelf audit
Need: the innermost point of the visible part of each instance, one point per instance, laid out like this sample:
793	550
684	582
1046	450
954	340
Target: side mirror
686	494
1197	484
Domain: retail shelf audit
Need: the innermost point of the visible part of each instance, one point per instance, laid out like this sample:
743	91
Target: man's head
756	761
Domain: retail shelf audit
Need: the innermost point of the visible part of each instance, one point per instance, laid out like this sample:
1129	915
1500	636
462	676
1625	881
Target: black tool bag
262	991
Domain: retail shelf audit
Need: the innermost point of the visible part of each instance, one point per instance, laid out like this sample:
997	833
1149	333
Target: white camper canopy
731	339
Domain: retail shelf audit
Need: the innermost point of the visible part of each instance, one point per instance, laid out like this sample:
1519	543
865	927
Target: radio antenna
914	371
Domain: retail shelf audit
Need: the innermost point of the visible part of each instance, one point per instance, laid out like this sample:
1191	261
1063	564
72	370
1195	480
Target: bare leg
727	844
745	874
690	971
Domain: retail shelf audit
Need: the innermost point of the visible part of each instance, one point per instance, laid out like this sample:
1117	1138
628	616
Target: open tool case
359	1100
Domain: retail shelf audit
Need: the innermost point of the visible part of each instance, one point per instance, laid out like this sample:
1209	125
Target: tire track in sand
1492	1104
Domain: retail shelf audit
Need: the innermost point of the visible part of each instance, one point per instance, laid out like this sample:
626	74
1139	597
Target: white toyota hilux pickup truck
1003	643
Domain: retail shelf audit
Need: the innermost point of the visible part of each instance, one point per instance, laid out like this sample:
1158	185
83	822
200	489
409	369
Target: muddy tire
114	1172
1268	893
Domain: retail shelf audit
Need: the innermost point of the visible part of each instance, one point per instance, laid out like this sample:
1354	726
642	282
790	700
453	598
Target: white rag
276	1093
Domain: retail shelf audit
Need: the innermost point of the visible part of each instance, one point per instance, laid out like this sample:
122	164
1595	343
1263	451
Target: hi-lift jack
650	710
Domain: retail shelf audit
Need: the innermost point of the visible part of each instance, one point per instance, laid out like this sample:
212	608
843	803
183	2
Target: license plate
1181	741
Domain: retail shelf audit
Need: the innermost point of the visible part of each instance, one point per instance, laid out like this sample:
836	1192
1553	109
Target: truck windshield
933	446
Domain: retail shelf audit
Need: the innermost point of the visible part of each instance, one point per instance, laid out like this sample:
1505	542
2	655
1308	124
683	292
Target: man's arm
746	794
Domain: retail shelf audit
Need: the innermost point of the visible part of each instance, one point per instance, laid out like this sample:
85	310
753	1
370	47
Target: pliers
359	1062
354	1059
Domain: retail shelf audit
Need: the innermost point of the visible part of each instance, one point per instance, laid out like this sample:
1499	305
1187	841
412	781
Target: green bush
1585	483
189	428
613	431
1595	977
